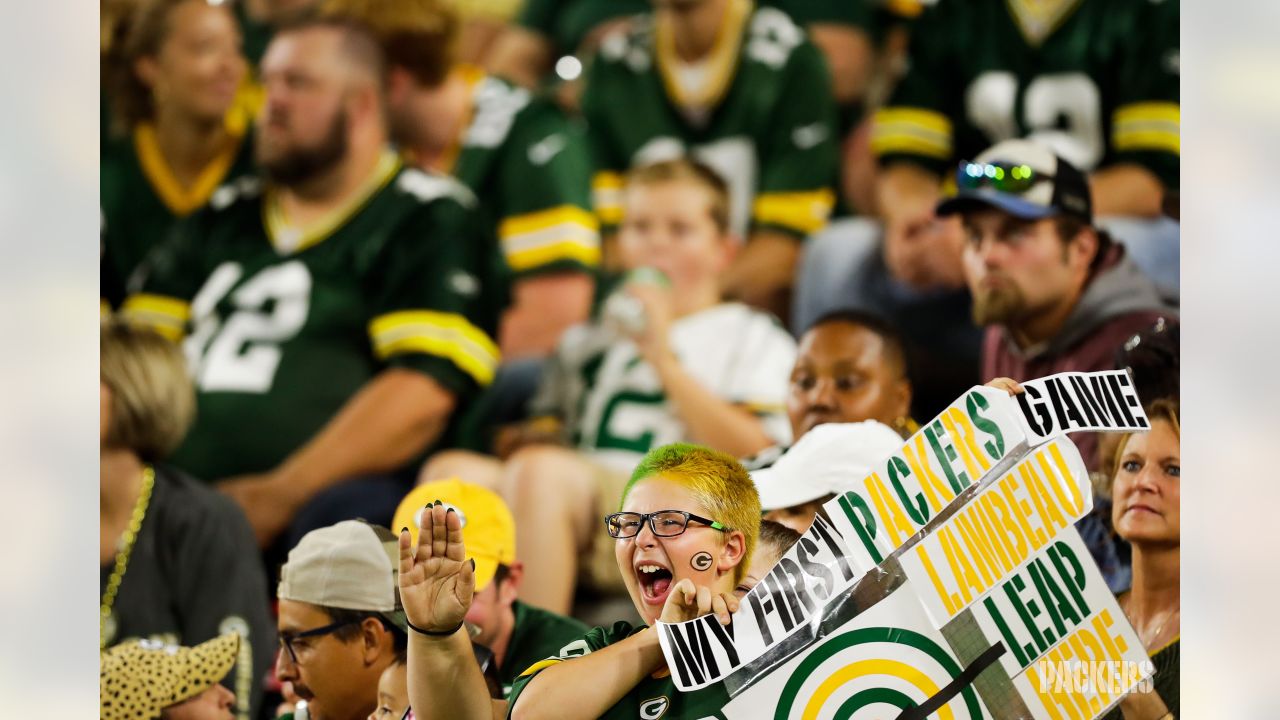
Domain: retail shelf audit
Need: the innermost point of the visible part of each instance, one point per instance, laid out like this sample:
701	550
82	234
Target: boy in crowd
687	528
775	540
695	368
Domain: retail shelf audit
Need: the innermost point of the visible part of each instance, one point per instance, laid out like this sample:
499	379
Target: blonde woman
1145	499
178	561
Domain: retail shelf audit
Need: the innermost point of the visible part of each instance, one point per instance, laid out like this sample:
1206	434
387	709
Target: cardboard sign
1072	653
889	656
1072	402
1000	530
979	433
972	516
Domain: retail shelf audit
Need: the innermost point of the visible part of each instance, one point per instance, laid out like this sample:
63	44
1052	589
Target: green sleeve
916	124
799	159
594	640
424	297
545	222
607	163
160	292
1146	123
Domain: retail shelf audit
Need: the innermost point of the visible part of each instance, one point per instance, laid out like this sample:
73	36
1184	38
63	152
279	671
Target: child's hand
652	341
687	602
1009	385
437	585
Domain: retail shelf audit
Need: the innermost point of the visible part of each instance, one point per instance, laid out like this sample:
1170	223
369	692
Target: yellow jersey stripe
802	211
544	219
911	130
1149	111
588	255
540	666
167	316
606	197
446	335
567	233
1148	126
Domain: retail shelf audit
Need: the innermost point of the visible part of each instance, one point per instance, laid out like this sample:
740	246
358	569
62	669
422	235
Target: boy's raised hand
688	601
436	586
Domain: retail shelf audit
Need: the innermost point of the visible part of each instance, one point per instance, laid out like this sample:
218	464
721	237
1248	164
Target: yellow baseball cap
488	530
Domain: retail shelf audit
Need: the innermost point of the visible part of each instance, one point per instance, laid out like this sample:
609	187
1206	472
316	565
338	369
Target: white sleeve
761	372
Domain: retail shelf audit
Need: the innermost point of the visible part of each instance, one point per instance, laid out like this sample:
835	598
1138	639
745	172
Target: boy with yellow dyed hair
688	524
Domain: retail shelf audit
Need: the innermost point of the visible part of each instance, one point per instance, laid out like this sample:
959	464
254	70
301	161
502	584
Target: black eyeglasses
663	523
287	639
1004	177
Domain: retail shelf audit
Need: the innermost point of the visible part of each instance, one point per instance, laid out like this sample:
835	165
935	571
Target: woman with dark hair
173	82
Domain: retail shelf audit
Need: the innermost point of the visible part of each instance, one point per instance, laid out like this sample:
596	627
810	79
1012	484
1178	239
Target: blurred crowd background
353	248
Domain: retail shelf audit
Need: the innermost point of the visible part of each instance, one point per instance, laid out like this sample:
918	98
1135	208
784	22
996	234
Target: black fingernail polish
473	564
404	529
449	510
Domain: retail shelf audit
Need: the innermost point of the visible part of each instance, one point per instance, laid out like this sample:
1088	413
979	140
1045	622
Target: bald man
326	306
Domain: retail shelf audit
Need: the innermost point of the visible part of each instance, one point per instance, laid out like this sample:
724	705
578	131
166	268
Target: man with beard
326	307
1055	293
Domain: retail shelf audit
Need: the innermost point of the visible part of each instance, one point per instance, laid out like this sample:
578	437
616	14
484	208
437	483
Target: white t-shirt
614	406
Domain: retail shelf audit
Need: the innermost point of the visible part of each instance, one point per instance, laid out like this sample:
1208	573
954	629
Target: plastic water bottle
624	313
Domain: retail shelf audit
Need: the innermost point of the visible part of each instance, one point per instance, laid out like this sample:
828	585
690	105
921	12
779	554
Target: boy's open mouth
655	581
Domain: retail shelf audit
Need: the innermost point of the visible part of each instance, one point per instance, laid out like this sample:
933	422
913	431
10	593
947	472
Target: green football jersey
141	200
653	698
567	22
529	168
283	326
762	115
538	634
1096	80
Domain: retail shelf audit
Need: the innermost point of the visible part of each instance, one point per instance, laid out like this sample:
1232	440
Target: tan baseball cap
140	679
350	565
488	530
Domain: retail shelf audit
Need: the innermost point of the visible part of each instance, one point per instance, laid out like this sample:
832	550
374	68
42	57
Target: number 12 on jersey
241	352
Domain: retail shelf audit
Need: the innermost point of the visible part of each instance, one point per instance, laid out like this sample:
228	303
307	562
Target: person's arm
436	589
1126	190
799	162
848	52
548	235
543	307
392	419
710	419
920	249
1143	150
587	686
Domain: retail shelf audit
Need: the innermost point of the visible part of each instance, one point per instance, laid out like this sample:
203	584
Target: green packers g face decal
893	667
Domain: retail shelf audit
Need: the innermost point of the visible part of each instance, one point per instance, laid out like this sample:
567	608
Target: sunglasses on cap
1013	178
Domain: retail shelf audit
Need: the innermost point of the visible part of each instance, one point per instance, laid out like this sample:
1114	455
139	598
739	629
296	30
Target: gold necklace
129	537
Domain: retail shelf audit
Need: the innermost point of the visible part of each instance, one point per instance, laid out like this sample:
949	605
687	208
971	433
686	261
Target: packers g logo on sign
890	669
654	709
